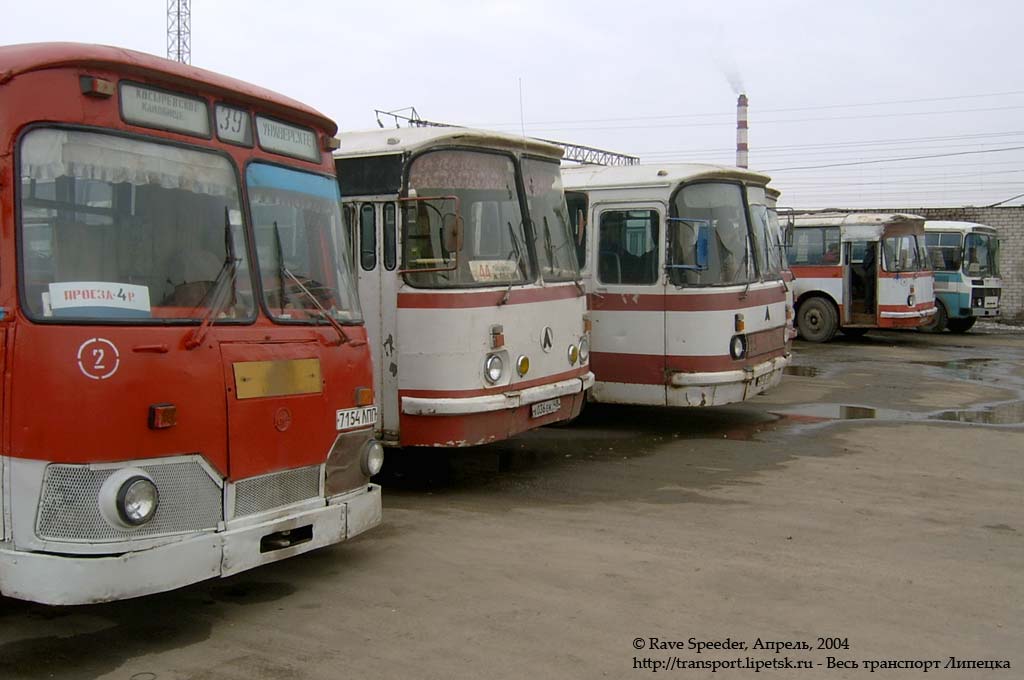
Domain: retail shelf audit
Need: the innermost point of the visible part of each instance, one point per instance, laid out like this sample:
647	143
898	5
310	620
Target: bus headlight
584	350
910	301
573	354
738	347
523	365
372	459
137	500
128	498
493	368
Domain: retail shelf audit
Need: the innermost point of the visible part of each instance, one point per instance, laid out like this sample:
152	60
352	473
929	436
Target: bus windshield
299	233
903	254
980	255
550	218
718	207
474	192
119	230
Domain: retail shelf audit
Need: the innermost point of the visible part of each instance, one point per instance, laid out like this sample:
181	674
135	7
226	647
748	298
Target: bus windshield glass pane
766	229
462	225
901	254
550	218
300	245
718	207
121	230
980	255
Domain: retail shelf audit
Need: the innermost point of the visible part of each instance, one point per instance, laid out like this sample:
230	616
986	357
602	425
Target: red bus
187	388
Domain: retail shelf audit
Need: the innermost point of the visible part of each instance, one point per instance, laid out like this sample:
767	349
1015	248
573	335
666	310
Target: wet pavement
874	495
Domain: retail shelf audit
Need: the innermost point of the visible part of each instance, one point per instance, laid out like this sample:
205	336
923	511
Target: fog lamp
573	354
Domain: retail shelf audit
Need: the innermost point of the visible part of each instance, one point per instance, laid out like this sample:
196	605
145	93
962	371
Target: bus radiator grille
68	510
266	492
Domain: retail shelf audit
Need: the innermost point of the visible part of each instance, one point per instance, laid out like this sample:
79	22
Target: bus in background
965	257
858	271
683	269
188	390
469	282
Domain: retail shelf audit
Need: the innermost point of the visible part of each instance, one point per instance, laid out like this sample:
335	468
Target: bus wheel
853	332
938	321
960	325
817	320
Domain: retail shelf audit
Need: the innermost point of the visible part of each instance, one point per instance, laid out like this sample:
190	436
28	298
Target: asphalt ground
872	500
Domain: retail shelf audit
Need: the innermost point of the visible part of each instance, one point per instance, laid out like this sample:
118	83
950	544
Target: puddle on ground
802	371
1010	413
1007	413
966	369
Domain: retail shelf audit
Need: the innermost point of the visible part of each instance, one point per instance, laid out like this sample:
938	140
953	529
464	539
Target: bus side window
390	237
576	201
367	237
348	212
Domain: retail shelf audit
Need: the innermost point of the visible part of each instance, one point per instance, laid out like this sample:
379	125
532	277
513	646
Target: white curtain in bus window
550	218
495	250
720	206
116	227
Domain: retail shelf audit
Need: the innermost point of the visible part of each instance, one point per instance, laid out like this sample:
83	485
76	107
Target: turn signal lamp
364	396
740	324
587	323
96	87
162	416
332	143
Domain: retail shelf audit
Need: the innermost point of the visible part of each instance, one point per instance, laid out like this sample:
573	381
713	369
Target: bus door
860	284
375	245
628	304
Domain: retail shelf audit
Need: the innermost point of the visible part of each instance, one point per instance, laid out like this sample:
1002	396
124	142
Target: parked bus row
858	271
219	311
189	336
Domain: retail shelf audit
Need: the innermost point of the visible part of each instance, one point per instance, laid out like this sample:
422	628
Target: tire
938	321
817	320
960	325
854	332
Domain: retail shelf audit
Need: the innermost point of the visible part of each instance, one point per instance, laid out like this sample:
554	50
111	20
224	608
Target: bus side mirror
703	236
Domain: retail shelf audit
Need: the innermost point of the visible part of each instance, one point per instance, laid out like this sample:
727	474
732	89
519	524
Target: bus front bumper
71	579
726	387
428	406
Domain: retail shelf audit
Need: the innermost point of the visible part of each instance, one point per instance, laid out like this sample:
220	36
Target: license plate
543	408
762	379
357	417
991	302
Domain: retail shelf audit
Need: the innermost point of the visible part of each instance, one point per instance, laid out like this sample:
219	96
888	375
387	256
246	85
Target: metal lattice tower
179	31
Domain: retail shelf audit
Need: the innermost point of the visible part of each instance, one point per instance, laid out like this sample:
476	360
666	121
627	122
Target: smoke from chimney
741	131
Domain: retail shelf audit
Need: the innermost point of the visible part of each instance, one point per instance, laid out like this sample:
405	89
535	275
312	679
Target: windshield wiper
220	293
519	262
283	271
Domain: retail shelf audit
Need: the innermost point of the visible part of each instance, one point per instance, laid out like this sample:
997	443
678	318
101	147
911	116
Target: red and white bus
469	282
683	268
858	271
187	385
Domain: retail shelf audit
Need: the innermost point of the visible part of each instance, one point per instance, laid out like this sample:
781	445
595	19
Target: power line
777	110
892	160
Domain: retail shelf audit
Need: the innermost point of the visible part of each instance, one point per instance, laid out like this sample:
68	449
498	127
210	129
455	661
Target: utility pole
179	31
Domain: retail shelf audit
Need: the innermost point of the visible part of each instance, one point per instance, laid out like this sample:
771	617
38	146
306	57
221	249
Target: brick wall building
1009	222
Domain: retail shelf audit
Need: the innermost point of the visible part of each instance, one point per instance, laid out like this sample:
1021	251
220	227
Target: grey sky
642	78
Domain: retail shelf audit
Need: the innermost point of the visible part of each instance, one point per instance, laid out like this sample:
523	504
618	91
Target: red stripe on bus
920	306
499	389
905	275
465	299
818	272
684	302
648	369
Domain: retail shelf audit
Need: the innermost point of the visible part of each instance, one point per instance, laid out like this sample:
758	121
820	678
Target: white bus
683	269
965	257
468	281
858	271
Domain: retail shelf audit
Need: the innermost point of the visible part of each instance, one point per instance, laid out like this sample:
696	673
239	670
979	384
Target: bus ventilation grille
266	492
68	510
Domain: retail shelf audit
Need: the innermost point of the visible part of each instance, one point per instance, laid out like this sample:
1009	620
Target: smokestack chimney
741	131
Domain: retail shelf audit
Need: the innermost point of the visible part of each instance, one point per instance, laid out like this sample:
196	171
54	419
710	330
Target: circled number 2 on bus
98	358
